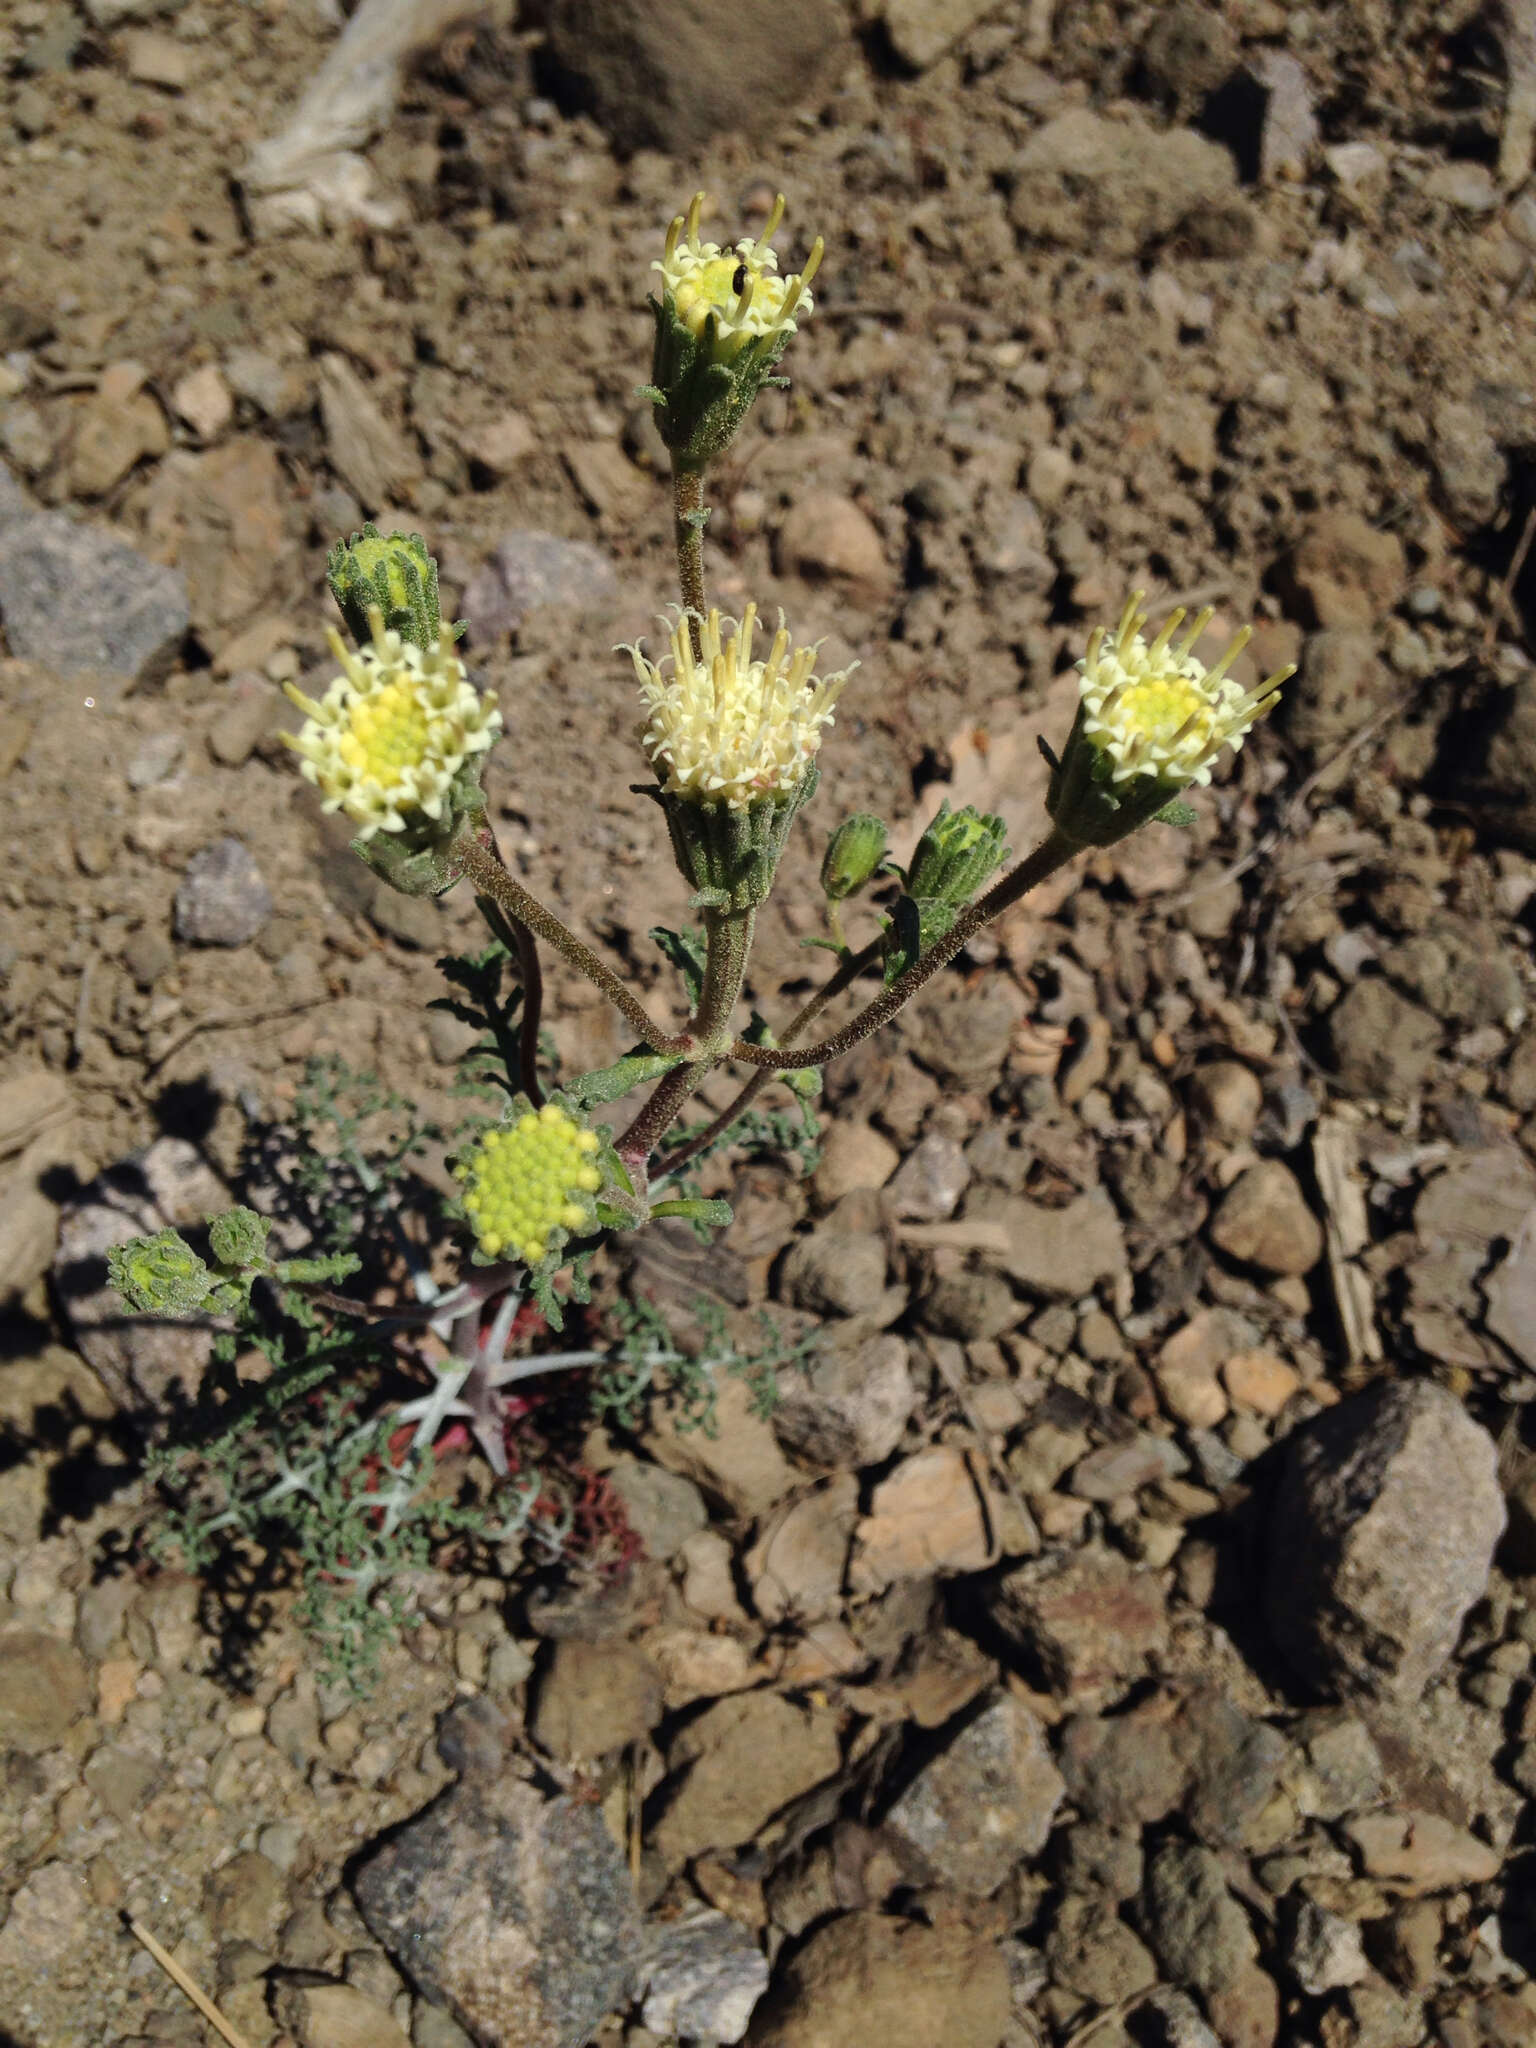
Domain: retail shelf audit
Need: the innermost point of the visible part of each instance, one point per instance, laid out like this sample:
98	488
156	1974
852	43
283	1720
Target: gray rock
1199	1933
223	899
658	75
1095	1857
1383	1045
1118	186
1290	133
835	1272
970	1306
704	1974
1235	1764
531	570
664	1508
80	602
848	1405
928	1184
1124	1771
921	31
984	1802
1325	1952
1341	685
157	756
1341	1771
44	1689
1115	1470
245	1899
1180	2020
513	1910
1469	464
1381	1538
1058	1253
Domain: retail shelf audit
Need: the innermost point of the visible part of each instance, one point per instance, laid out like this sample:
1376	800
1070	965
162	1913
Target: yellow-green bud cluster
530	1183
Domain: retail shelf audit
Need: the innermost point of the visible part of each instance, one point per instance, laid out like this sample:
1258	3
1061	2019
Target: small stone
1290	133
1326	1952
921	31
853	1156
1227	1097
244	719
873	1977
927	1186
1341	686
46	1921
1264	1221
973	1307
1343	1770
449	1037
82	603
1092	1623
1117	187
835	1272
1469	464
1347	572
1091	1952
155	759
664	1509
656	75
337	2016
985	1802
736	1765
1124	1770
1260	1381
1198	1931
44	1689
204	401
1381	1538
825	536
1187	1366
931	1514
1055	1253
704	1976
1383	1045
155	59
502	443
847	1406
1420	1852
796	1566
1464	184
595	1698
371	456
530	571
1116	1470
111	435
223	900
245	1898
513	1910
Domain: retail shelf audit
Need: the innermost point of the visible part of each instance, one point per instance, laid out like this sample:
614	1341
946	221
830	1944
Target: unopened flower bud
160	1275
853	854
959	851
238	1238
391	574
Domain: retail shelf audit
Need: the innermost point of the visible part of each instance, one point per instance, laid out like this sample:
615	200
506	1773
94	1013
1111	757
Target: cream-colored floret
390	733
739	286
1157	709
724	728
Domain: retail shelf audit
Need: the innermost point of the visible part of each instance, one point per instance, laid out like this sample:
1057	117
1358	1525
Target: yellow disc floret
724	728
390	733
1156	709
530	1183
738	286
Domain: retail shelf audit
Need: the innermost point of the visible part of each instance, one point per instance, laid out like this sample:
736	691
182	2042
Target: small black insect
739	281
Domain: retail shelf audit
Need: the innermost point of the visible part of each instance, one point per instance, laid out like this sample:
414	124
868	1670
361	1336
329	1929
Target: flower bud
853	854
389	573
530	1183
959	851
239	1238
160	1275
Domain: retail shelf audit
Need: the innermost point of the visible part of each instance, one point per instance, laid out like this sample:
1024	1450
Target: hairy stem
1053	852
482	863
848	972
727	942
688	536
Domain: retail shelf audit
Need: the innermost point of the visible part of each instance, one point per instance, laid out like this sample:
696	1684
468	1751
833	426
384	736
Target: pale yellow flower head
1156	709
728	729
739	285
391	732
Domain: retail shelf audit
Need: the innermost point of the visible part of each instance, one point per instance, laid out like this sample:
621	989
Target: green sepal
1088	806
1175	813
423	860
390	573
700	397
729	855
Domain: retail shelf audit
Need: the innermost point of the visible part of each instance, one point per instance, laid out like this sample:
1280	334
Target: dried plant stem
482	864
186	1986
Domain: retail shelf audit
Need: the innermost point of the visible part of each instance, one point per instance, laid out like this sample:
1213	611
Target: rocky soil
1123	1631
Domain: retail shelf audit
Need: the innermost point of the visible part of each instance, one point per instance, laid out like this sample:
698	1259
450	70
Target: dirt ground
1231	304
